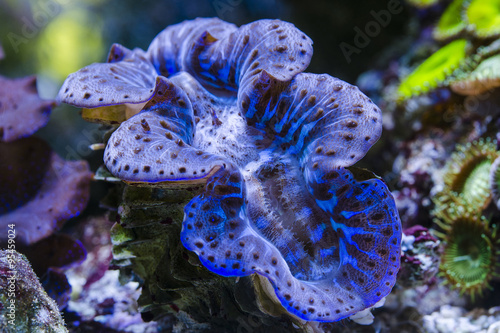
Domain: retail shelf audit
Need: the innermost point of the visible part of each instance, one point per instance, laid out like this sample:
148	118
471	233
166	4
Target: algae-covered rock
24	305
177	290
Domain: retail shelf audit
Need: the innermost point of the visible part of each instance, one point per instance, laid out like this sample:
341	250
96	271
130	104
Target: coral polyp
471	248
434	71
450	24
495	181
483	17
482	79
467	176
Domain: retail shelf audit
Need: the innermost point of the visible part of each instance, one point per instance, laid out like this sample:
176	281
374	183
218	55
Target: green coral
434	71
24	304
483	17
450	24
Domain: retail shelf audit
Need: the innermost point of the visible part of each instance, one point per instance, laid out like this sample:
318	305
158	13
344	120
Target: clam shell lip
173	183
221	56
234	56
131	79
230	240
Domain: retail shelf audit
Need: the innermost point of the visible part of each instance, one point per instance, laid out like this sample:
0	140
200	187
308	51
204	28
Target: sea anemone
450	23
466	177
469	261
434	71
483	17
495	181
485	77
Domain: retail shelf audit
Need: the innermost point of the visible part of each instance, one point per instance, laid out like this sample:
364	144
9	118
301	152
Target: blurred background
53	38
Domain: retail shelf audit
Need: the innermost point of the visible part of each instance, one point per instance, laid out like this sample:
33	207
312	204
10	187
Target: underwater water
249	166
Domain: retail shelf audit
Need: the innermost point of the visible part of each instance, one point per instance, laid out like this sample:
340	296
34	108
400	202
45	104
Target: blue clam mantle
230	107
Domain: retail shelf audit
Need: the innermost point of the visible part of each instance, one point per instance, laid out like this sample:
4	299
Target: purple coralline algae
420	257
22	111
40	189
230	108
